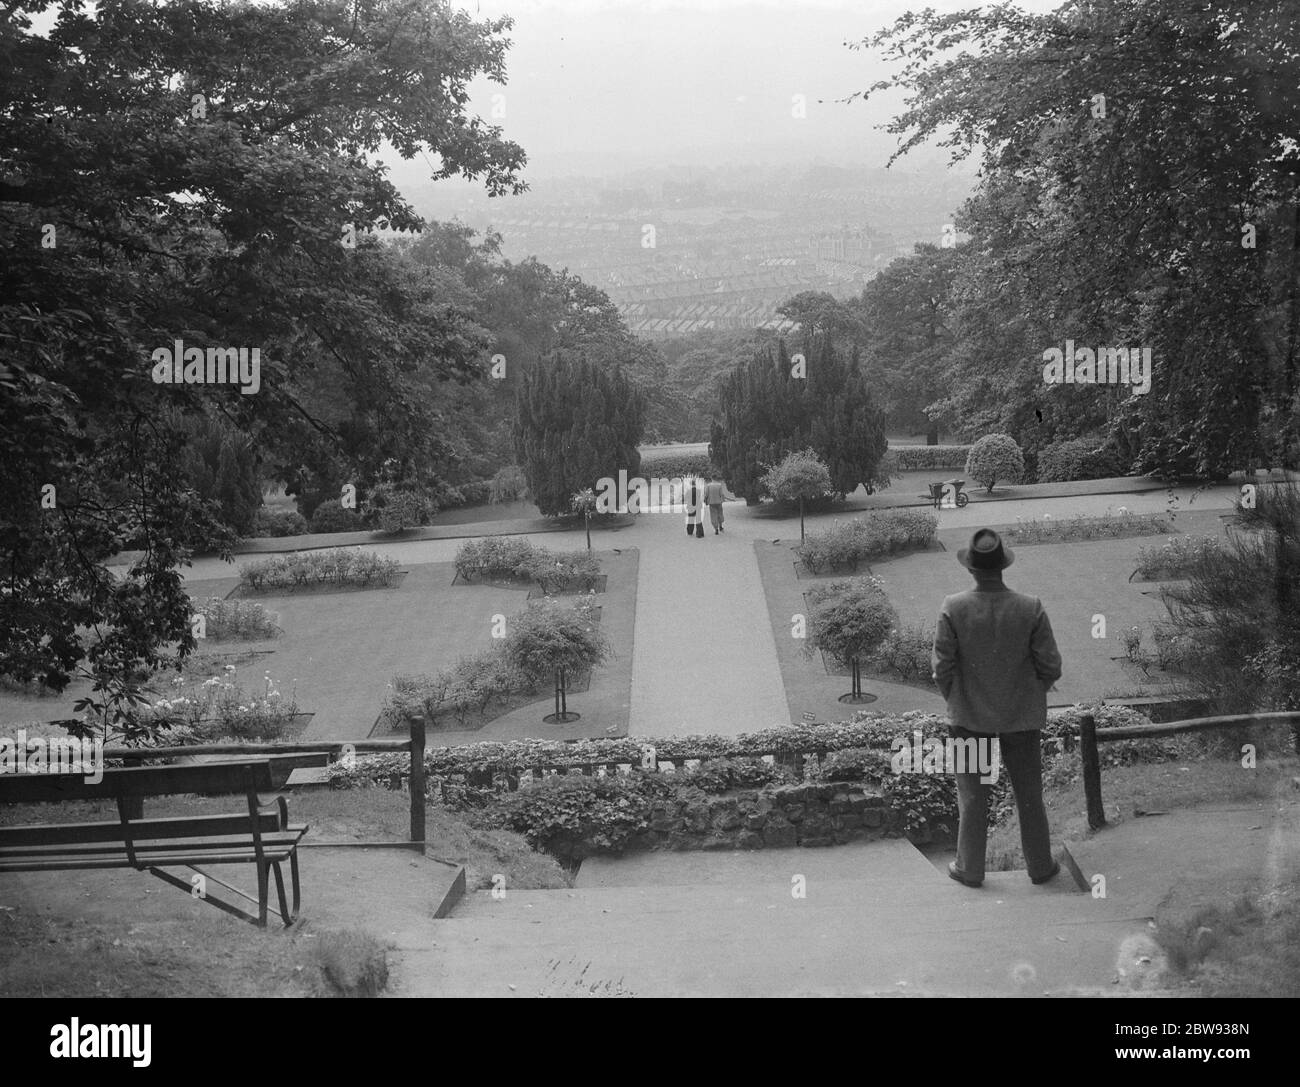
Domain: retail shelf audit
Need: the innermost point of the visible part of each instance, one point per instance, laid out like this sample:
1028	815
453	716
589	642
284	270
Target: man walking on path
714	495
994	659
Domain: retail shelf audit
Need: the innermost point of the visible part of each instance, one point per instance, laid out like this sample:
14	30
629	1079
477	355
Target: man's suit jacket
714	494
994	658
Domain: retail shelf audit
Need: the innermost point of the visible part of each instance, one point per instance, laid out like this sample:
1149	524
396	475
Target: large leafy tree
189	171
1127	146
907	316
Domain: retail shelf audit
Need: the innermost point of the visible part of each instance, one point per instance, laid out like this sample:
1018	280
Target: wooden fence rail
1090	736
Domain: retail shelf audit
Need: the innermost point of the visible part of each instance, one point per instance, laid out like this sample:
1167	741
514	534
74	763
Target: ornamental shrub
271	523
307	569
1176	557
332	517
237	619
995	457
394	509
905	653
875	535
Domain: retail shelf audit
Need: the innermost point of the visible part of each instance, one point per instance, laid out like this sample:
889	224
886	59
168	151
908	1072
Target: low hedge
875	535
273	523
671	464
604	812
302	569
512	557
918	458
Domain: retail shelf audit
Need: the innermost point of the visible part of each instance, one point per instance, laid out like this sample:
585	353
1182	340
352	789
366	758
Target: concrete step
842	940
942	905
889	859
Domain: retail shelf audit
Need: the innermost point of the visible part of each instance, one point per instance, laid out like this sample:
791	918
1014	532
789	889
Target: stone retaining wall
808	814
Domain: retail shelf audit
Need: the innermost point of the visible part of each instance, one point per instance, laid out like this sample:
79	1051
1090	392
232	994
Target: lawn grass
1160	786
210	957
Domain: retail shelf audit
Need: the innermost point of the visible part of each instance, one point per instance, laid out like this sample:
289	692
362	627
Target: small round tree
995	457
850	620
798	476
552	639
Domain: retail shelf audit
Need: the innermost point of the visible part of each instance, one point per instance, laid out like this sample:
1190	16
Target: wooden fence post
417	779
1091	771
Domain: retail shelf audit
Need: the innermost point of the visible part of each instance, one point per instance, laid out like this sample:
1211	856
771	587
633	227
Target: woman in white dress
694	499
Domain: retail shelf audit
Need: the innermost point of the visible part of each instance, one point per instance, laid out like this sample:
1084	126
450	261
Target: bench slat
213	778
196	826
194	845
99	860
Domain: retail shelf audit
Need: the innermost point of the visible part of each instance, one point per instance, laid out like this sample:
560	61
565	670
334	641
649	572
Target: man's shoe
956	873
1056	871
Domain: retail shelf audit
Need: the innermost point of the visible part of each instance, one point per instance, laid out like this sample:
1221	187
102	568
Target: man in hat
994	659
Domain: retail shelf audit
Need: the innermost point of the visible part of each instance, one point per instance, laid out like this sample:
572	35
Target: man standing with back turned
994	659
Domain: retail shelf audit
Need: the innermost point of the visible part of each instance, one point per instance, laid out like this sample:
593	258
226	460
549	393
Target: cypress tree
575	422
765	412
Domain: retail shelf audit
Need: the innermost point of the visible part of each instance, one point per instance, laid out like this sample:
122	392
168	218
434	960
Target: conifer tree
575	422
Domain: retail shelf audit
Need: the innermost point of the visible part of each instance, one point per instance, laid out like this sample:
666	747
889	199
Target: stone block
779	836
794	812
749	840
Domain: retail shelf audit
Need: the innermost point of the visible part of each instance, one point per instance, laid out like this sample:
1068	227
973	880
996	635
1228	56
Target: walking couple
700	493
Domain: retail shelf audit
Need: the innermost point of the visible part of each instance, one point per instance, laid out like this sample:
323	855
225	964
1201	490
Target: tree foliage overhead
1127	146
195	166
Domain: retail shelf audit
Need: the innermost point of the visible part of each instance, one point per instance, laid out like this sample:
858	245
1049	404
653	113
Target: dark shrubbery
914	458
331	517
284	523
1079	458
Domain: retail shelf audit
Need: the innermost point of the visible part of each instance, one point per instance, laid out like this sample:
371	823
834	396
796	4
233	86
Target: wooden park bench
261	835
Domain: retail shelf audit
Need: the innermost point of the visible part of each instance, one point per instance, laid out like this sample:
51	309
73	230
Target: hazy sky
691	80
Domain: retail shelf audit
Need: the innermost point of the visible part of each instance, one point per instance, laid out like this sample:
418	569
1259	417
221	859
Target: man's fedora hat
986	552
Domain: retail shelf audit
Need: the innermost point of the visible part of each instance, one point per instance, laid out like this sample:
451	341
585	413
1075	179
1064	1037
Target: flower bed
237	620
1069	530
512	558
219	707
876	535
335	568
1176	557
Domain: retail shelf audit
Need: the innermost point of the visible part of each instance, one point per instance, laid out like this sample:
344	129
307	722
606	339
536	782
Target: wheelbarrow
948	494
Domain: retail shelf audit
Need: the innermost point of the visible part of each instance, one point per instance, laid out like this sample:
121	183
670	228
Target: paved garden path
705	657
